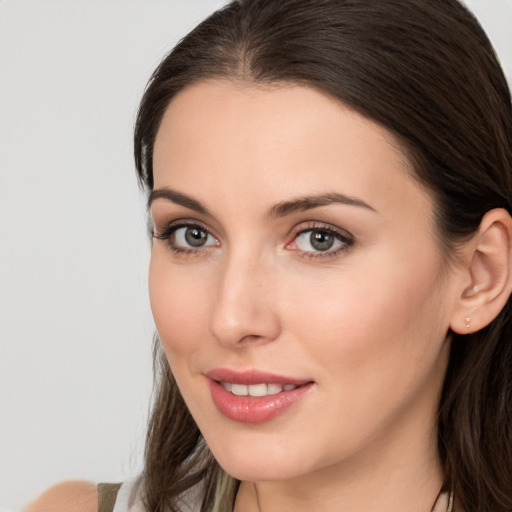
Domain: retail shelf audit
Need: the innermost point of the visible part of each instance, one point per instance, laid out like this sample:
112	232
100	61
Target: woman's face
296	260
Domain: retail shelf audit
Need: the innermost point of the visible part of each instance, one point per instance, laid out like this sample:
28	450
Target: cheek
177	308
375	341
366	324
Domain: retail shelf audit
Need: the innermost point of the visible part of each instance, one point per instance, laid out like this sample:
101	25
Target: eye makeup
308	239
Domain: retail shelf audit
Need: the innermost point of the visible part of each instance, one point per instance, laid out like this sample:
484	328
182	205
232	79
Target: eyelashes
310	240
186	237
318	240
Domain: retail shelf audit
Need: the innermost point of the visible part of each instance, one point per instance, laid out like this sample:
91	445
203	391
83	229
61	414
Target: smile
254	396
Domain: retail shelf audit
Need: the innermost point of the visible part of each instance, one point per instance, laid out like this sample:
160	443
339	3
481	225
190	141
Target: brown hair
425	70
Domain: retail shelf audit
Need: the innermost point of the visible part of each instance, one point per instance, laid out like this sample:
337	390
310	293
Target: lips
253	396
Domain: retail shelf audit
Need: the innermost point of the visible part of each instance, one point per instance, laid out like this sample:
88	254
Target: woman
329	186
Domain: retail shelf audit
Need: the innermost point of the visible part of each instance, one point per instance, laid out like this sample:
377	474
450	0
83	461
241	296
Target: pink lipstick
254	396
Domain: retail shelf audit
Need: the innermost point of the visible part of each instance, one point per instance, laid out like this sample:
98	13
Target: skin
368	323
71	496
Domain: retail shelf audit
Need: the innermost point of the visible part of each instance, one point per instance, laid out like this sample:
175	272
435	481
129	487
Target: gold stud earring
468	322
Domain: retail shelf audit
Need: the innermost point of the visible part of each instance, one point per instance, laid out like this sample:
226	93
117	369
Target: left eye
319	240
192	237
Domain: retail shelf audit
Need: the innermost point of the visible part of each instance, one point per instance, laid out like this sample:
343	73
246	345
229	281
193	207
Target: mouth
253	396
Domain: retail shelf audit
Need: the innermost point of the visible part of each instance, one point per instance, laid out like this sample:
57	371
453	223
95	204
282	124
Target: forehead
265	140
269	105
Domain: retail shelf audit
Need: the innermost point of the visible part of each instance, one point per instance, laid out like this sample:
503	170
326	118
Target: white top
129	497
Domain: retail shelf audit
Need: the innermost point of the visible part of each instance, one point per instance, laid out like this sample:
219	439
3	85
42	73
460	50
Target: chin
260	464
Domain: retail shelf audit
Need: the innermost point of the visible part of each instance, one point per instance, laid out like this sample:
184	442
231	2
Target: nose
244	306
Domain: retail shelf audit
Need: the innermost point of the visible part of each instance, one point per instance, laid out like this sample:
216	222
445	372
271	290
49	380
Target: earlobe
489	274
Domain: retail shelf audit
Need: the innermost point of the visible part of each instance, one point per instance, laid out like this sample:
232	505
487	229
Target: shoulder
72	496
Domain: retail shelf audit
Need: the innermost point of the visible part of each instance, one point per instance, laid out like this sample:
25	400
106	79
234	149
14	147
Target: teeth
257	389
227	385
239	389
273	389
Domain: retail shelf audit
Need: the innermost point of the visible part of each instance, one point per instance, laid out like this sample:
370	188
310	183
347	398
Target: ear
487	275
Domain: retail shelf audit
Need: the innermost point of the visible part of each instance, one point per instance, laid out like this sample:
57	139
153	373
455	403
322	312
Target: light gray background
75	325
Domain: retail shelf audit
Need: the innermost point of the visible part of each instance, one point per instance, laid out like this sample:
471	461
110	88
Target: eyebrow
281	209
177	198
305	203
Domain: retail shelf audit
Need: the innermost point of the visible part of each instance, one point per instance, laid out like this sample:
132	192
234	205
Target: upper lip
252	377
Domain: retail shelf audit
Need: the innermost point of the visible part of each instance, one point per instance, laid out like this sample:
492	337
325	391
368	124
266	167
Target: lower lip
248	409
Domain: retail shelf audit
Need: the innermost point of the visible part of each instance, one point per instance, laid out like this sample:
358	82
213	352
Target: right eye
193	236
186	238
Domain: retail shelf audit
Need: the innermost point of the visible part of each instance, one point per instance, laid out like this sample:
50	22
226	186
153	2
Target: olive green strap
107	495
